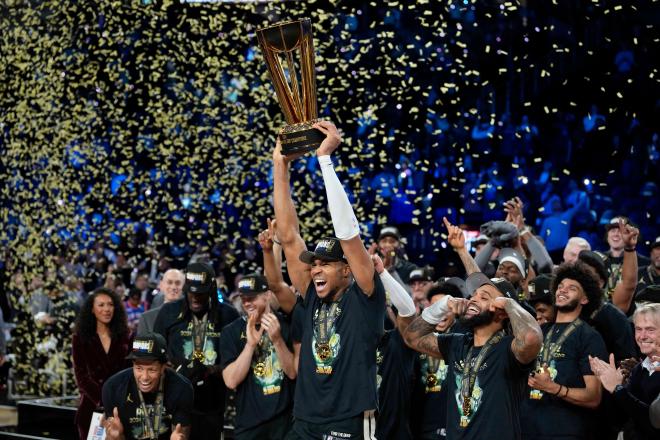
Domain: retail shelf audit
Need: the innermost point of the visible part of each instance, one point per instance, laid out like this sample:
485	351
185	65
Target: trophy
294	81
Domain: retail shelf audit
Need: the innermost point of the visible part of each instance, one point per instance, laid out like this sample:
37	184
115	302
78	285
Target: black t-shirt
121	391
614	267
430	397
616	331
553	417
260	397
337	372
497	393
297	317
395	384
177	328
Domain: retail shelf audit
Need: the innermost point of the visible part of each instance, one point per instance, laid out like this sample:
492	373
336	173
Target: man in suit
171	287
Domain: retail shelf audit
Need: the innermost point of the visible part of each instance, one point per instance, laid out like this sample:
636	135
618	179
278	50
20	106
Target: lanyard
153	429
470	374
326	315
551	348
199	337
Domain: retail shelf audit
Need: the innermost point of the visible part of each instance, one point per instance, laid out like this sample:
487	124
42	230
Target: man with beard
192	327
487	368
643	386
563	391
343	309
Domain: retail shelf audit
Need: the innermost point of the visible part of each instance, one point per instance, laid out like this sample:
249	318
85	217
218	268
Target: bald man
170	289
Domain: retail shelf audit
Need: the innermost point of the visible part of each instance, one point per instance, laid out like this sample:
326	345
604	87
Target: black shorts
274	429
362	426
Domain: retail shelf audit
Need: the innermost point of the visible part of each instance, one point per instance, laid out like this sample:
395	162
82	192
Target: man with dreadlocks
191	327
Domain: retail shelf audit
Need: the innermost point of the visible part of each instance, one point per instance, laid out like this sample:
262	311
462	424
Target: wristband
630	249
559	390
436	312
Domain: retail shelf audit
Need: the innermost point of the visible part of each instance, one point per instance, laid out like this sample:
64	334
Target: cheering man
342	312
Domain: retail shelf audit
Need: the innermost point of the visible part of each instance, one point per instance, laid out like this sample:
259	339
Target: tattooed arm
456	239
420	336
528	336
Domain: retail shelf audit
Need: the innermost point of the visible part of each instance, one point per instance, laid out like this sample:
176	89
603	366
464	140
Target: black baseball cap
389	231
327	249
253	284
650	294
540	289
478	279
149	347
614	223
200	278
656	243
420	274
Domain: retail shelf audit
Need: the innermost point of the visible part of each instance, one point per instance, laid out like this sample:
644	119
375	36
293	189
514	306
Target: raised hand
629	234
332	138
265	240
178	433
514	212
271	324
455	236
279	157
114	430
457	306
378	263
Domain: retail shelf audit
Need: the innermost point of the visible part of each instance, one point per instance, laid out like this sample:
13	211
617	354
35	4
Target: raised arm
346	226
420	334
272	252
528	336
456	240
287	218
622	295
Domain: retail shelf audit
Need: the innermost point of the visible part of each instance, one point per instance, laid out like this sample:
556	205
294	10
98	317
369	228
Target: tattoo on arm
420	337
528	337
468	262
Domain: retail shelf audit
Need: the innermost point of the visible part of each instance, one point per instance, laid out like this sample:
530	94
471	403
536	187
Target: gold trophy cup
294	81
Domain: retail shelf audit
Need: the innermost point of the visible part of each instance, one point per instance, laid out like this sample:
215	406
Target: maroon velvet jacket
93	367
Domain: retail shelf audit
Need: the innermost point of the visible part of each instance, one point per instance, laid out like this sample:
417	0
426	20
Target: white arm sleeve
435	313
398	295
341	211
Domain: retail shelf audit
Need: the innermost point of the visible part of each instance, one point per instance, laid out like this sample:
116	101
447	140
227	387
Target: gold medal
431	380
464	421
198	355
535	394
259	369
323	350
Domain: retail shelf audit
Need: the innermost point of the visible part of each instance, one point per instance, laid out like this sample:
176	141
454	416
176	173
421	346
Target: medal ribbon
153	429
551	349
325	316
470	375
199	337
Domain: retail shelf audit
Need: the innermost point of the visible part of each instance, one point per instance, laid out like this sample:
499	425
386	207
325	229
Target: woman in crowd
100	344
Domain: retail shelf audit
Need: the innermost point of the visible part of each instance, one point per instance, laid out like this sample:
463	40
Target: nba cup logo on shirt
199	277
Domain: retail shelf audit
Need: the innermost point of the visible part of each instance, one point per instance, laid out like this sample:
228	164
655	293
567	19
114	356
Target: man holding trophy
343	306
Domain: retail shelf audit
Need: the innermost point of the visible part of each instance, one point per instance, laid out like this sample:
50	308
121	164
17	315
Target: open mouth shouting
472	310
321	285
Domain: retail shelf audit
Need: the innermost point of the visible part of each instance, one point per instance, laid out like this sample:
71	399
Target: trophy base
300	138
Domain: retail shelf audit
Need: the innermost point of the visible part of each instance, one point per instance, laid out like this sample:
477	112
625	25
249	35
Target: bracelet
632	249
566	393
559	390
277	242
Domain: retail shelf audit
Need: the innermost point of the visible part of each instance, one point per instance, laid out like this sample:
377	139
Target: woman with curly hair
100	345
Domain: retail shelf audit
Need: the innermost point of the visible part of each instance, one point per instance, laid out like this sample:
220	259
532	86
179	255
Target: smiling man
257	362
487	368
192	327
563	391
342	314
148	400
